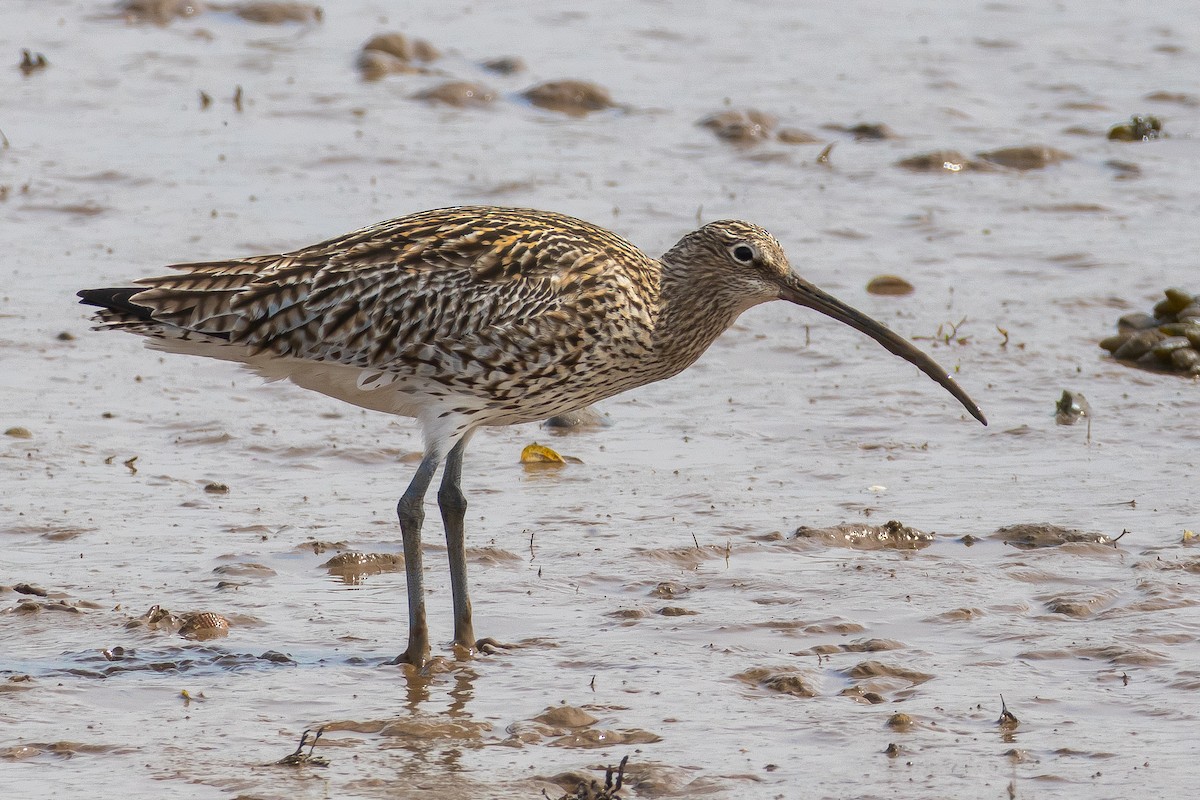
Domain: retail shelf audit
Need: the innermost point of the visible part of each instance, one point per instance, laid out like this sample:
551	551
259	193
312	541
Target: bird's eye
743	253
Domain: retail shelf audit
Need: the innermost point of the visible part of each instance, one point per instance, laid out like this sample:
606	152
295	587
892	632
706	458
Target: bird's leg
453	504
411	511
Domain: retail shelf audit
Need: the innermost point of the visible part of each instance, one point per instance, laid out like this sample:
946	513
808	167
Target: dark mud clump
740	127
352	567
31	63
785	680
1030	536
1137	129
264	12
1024	157
394	53
1020	158
944	161
573	727
1166	341
866	131
889	285
750	126
860	536
277	13
505	65
197	625
575	98
159	12
460	94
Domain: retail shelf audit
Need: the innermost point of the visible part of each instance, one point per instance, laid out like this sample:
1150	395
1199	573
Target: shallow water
112	169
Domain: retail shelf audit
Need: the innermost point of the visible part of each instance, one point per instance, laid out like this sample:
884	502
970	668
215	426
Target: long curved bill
799	291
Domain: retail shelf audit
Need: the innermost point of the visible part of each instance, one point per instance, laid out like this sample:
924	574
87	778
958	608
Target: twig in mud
947	333
1004	333
614	777
1007	720
695	541
299	758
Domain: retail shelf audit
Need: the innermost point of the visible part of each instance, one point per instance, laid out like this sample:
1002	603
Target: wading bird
471	316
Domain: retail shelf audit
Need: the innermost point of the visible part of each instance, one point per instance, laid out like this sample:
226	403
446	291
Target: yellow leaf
537	454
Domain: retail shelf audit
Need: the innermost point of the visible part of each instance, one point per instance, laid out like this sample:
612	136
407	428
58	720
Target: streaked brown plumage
472	316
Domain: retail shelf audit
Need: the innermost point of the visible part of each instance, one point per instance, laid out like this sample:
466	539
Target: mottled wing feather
482	285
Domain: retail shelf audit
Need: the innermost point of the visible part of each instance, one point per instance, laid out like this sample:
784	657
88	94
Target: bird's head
742	265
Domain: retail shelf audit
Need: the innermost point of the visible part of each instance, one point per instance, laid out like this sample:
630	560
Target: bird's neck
688	319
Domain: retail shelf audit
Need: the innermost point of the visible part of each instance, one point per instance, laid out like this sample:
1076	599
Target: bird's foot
489	646
413	656
485	647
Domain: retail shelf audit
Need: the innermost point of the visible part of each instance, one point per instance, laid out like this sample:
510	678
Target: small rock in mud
1138	129
28	588
212	487
900	721
677	611
277	13
19	432
866	131
576	98
31	62
460	94
943	161
587	418
889	285
1025	157
891	535
505	65
740	127
1168	341
785	680
203	625
159	12
1029	536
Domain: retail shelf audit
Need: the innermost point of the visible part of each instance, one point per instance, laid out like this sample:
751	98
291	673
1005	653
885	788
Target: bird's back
501	310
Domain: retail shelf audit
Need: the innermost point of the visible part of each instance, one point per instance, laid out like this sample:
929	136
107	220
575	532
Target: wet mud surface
196	568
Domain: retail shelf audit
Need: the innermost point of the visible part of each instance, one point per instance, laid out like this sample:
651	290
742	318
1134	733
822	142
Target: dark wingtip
115	299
